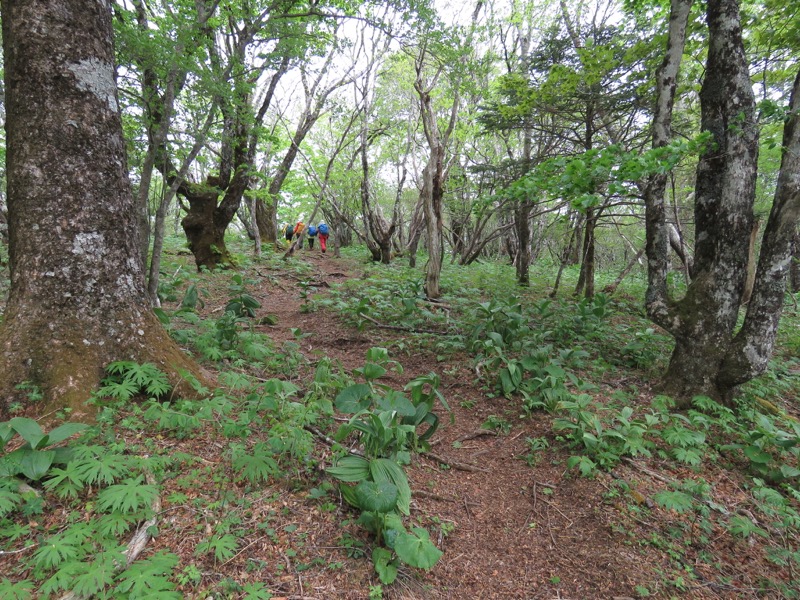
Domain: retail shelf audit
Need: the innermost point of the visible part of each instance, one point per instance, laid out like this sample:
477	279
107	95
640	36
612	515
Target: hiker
312	233
288	232
322	230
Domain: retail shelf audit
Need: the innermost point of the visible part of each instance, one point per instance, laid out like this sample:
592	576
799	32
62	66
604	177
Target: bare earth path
515	531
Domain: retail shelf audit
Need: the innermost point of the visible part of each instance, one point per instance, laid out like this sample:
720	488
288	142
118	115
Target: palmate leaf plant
127	379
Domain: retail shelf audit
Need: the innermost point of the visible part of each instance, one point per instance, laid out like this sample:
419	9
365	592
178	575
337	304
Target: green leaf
394	401
350	468
34	464
384	469
98	575
680	502
374	496
353	399
28	429
148	578
15	591
757	455
744	527
61	433
9	499
385	567
223	547
416	549
128	496
585	465
6	433
256	468
371	371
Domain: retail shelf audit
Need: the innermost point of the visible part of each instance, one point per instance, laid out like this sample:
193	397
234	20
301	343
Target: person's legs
323	240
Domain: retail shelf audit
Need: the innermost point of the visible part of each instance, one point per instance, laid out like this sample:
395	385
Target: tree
77	297
436	171
710	357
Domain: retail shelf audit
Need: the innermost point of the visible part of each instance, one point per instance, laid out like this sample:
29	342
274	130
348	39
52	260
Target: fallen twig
454	465
398	327
476	434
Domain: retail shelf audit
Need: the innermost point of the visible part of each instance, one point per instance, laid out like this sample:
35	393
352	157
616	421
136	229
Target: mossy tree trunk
77	299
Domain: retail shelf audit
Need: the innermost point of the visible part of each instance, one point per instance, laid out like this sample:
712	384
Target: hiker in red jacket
322	232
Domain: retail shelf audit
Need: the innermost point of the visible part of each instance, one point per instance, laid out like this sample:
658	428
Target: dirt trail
510	530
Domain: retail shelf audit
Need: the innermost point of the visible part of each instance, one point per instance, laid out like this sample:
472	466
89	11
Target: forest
550	350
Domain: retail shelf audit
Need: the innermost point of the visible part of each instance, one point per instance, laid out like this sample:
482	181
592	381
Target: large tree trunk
205	227
77	296
703	321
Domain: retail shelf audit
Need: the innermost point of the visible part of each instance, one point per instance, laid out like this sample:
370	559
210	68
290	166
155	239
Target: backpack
323	229
312	231
288	232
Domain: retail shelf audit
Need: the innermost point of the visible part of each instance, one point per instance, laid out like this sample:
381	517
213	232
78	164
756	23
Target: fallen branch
397	327
476	434
329	440
454	465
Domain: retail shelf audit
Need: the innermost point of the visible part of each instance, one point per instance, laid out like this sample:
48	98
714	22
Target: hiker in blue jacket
312	233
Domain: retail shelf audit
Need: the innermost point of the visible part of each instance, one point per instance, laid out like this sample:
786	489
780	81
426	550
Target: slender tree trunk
610	289
415	230
586	278
522	221
77	296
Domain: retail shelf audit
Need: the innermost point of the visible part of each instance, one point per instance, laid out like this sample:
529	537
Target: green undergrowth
564	357
285	419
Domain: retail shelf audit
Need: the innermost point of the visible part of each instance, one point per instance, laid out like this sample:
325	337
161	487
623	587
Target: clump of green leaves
34	458
386	425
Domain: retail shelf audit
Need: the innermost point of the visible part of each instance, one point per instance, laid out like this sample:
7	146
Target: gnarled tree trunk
708	359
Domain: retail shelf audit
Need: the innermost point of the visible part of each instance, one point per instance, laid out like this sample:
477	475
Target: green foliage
222	547
35	457
127	379
385	423
241	303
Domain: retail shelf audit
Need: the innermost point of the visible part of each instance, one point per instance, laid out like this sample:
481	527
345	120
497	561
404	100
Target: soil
512	524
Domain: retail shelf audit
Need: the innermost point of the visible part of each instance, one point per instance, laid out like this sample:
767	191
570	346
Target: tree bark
752	347
658	303
703	321
77	296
